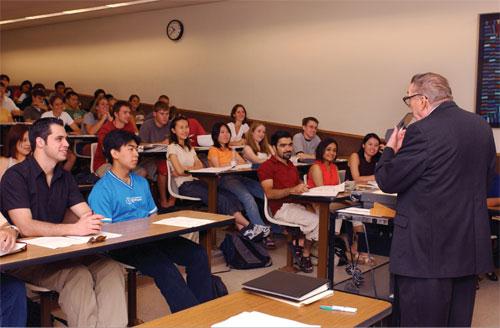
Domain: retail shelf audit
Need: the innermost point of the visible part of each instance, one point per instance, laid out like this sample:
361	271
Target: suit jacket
441	174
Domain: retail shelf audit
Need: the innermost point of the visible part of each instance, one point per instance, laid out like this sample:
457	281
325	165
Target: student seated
121	121
42	199
23	92
135	113
242	187
279	179
98	115
37	107
238	125
257	149
8	108
195	127
157	130
362	164
183	158
305	142
59	87
16	148
13	307
72	107
122	195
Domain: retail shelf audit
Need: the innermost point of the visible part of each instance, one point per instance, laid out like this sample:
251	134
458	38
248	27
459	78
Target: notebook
287	285
19	247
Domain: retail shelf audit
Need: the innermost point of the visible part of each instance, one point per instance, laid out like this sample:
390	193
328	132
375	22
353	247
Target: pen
106	220
338	308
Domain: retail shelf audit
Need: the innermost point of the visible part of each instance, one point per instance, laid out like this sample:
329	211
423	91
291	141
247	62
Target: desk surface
369	311
133	232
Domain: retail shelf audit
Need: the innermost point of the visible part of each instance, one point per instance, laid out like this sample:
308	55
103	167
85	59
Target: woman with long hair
362	163
257	149
238	125
16	148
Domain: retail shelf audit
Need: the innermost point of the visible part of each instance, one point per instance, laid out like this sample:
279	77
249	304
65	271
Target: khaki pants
91	289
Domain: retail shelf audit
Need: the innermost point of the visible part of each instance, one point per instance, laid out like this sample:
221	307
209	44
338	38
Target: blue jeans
245	189
157	260
227	203
13	308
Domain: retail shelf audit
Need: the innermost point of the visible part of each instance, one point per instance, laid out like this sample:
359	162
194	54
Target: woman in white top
56	103
238	125
182	157
257	150
17	147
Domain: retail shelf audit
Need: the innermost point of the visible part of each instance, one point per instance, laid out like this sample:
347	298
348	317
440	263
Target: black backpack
241	253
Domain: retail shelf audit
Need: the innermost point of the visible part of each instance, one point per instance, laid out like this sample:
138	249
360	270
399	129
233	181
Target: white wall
346	62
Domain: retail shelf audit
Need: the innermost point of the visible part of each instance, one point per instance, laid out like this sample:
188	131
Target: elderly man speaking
440	167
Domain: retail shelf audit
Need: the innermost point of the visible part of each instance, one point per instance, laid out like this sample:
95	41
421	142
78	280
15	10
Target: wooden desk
83	137
369	312
133	232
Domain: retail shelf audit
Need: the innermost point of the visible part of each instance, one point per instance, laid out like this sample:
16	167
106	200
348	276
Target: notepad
19	247
258	319
325	191
183	221
65	241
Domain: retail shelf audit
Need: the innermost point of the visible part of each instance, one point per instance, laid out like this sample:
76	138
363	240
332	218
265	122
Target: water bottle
234	162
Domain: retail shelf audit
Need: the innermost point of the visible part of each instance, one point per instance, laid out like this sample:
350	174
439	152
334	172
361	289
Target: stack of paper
182	221
258	319
325	191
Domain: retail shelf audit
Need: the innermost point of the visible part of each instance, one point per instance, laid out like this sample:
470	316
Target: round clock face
175	29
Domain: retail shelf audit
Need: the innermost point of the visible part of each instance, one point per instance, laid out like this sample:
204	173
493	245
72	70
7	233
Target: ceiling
13	9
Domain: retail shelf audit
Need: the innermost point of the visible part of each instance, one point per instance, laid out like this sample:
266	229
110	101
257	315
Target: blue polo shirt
115	199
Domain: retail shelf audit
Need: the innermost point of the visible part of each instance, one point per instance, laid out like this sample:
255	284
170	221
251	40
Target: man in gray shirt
157	130
305	143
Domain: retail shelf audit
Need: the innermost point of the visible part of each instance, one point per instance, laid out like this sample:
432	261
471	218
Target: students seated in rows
13	307
305	142
121	121
5	79
72	107
362	164
257	149
56	103
8	108
157	130
238	125
42	199
280	178
23	92
38	106
99	114
123	195
16	148
182	157
242	187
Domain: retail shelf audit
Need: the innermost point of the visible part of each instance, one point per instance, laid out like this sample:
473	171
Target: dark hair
278	135
70	94
216	131
173	137
2	84
4	77
306	120
320	150
67	89
133	96
39	85
38	92
98	92
109	96
160	106
54	98
119	104
115	140
59	84
28	82
14	135
41	129
361	151
164	96
233	112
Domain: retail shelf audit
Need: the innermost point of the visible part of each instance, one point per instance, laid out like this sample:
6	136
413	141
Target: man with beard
279	179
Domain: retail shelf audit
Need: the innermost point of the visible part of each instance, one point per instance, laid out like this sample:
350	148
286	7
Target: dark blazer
441	174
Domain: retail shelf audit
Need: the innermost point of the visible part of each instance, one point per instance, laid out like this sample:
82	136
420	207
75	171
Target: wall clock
175	29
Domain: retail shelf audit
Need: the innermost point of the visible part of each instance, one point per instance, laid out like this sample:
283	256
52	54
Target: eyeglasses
407	99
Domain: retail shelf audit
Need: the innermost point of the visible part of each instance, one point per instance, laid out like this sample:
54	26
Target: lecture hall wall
346	62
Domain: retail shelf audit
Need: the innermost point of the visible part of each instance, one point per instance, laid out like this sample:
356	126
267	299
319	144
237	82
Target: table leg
206	237
324	215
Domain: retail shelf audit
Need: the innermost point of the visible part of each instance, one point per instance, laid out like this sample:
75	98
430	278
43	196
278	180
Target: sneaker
305	264
255	232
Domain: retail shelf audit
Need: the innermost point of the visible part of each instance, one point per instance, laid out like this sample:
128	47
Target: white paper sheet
258	319
326	191
355	210
59	242
182	221
18	247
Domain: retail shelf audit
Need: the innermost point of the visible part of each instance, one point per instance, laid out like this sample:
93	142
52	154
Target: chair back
93	148
172	186
270	217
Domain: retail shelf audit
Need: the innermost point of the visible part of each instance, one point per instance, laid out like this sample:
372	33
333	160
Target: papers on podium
259	319
288	286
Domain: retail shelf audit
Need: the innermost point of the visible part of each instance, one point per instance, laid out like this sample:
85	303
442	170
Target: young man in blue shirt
123	195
